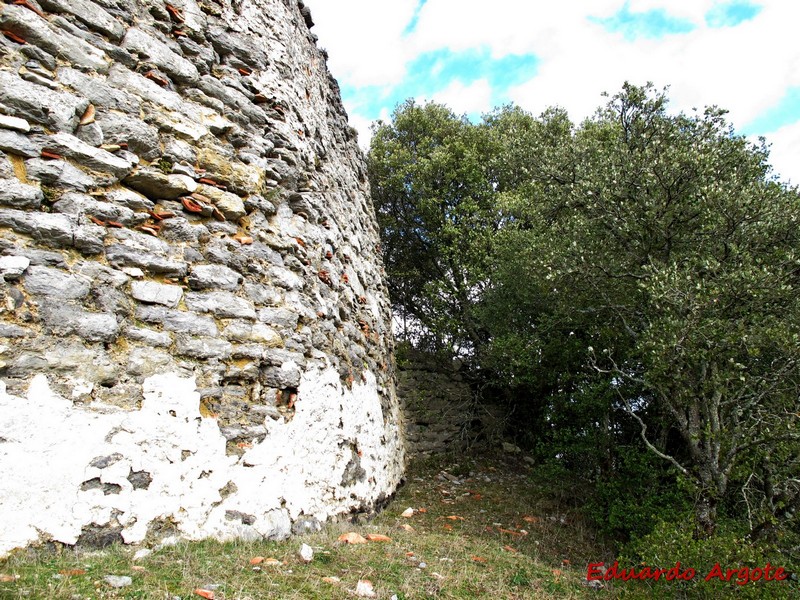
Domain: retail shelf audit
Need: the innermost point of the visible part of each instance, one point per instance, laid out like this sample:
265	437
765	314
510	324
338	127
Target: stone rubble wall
440	409
195	331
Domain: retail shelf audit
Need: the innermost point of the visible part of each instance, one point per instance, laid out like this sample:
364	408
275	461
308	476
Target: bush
670	543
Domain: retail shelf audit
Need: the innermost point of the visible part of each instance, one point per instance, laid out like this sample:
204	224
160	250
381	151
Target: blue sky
475	55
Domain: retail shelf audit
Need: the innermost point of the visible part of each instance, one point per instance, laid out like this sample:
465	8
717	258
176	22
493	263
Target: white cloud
364	38
746	69
466	99
785	152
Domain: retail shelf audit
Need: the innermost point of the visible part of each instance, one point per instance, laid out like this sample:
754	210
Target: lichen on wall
189	276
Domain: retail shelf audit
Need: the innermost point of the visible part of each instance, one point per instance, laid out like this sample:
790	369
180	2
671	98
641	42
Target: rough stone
59	110
12	267
106	344
20	195
151	49
58	173
121	255
14	123
46	281
89	13
36	30
119	128
160	339
157	185
54	230
64	319
153	292
202	277
202	348
177	321
221	304
88	156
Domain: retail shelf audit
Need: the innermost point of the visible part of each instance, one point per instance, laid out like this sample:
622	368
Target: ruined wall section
192	305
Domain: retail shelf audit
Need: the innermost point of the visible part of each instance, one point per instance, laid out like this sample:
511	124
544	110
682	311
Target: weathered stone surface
121	255
280	317
233	96
20	195
17	143
65	319
11	267
99	93
36	30
59	231
202	348
58	173
141	138
151	49
203	277
89	156
221	304
230	205
14	123
81	205
153	292
156	185
177	321
46	281
245	331
59	110
148	336
89	13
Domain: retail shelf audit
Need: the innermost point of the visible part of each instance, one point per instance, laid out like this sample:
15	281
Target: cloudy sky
474	55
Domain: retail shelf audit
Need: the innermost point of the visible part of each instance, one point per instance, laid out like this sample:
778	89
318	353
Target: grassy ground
480	529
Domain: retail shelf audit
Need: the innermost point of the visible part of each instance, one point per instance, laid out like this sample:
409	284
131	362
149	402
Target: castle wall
194	328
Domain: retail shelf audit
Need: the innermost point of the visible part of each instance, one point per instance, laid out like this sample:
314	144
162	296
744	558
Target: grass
483	527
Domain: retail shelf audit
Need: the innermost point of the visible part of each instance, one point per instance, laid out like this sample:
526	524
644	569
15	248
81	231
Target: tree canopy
630	282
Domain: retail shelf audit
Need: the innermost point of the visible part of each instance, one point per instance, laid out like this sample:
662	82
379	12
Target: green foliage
629	280
674	541
637	494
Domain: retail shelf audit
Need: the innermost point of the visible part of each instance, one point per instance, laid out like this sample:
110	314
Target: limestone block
149	48
152	292
54	230
221	304
46	281
89	13
64	318
121	255
177	321
36	30
58	173
20	195
156	185
59	110
202	277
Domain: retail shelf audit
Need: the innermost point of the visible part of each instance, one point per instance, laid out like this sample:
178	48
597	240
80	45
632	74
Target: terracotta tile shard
208	594
245	72
260	99
88	115
30	6
97	221
151	229
217	214
191	205
377	537
13	37
72	572
153	76
257	560
174	13
479	559
51	154
352	538
8	578
244	240
510	532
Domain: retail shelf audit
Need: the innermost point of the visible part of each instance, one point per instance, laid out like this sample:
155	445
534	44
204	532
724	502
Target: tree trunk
705	516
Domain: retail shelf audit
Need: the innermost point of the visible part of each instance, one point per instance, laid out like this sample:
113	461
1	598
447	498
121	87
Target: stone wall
194	328
441	411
